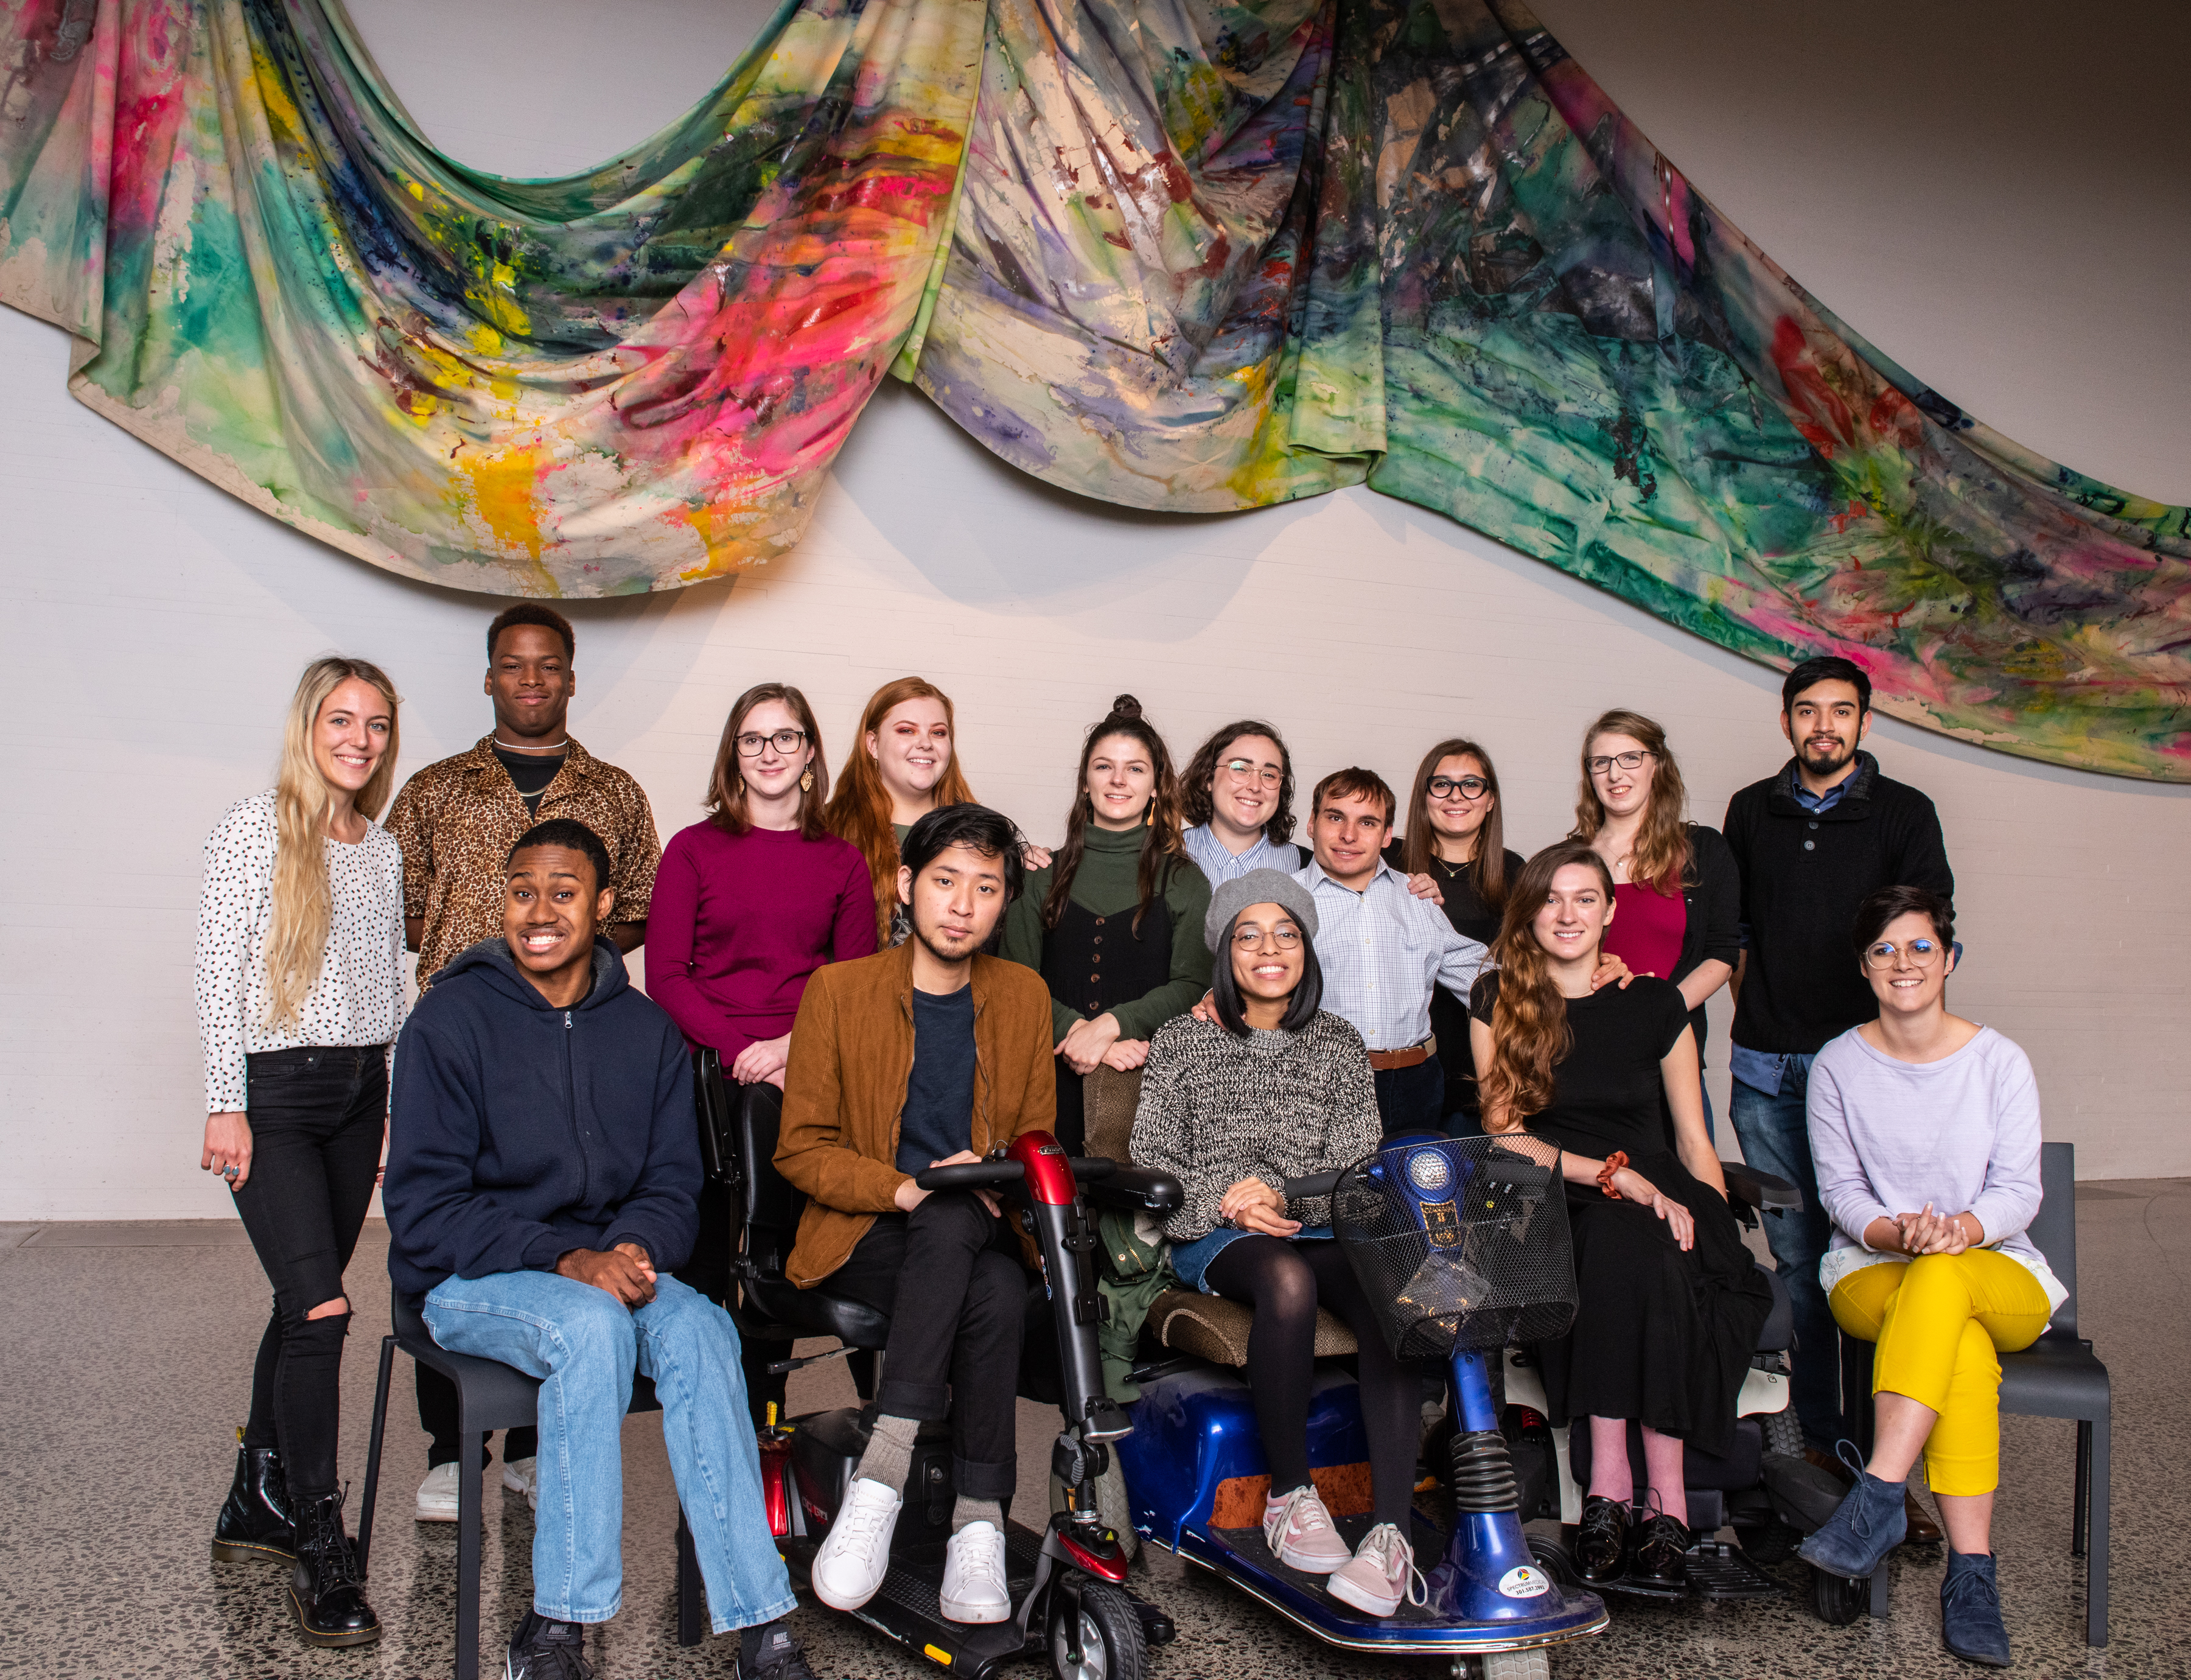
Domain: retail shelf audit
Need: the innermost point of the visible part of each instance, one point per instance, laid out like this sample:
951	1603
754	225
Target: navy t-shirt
939	1098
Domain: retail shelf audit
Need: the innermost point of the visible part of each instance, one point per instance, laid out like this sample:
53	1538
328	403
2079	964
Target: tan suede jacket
844	1089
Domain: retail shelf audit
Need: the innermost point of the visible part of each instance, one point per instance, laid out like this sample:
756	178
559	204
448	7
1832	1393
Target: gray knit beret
1257	887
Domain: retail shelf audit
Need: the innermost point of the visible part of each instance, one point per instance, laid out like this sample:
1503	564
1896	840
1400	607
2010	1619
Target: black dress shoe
326	1595
1601	1545
1662	1551
254	1520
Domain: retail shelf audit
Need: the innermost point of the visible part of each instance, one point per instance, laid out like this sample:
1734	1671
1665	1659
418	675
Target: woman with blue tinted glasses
1924	1128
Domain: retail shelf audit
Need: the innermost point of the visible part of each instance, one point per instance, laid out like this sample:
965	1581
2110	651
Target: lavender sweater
1962	1133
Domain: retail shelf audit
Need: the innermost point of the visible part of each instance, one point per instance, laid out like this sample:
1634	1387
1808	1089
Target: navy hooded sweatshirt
518	1131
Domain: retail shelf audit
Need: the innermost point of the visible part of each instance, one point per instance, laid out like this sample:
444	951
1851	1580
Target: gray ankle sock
889	1456
965	1510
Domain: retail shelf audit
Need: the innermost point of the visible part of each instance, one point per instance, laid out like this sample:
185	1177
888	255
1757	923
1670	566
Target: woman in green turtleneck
1114	924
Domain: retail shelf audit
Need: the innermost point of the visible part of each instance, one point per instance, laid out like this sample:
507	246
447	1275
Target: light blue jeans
584	1344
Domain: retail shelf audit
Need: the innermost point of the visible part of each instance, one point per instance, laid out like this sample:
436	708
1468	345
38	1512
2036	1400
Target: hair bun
1125	706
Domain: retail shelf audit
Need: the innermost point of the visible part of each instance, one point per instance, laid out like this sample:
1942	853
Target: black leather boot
254	1522
325	1593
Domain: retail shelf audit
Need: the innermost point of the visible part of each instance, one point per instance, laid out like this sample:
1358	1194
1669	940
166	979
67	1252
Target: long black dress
1661	1336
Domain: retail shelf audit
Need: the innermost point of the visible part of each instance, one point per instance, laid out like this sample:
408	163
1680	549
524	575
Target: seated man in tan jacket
918	1057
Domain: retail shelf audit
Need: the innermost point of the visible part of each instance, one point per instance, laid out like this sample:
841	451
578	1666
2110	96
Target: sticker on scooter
1524	1582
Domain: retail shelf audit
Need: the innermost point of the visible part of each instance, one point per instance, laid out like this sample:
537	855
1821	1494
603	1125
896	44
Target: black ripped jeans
316	1117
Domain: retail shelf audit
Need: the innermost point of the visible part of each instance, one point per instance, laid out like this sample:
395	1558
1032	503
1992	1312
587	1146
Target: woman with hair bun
1113	922
1671	1302
905	765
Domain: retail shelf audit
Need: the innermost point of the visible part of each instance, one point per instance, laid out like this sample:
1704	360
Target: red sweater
738	922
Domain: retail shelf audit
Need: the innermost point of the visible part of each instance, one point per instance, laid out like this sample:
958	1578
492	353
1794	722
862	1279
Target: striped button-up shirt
1221	866
1382	949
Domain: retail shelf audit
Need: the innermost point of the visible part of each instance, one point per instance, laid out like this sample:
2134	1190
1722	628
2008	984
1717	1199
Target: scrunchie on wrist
1613	1164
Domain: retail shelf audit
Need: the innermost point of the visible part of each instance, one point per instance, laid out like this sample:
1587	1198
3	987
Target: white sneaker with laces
974	1589
850	1567
1380	1575
522	1476
437	1494
1299	1533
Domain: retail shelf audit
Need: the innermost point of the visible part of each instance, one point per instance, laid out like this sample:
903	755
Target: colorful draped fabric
1196	255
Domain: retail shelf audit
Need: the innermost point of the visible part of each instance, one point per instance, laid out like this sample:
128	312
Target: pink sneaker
1299	1531
1381	1574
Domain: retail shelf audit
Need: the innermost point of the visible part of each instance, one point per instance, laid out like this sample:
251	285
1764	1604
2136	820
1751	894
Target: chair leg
691	1592
2078	1510
470	1443
372	1455
860	1363
2095	1564
1876	1603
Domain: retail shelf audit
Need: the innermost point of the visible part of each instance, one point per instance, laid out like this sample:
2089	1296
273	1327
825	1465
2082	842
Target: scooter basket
1462	1242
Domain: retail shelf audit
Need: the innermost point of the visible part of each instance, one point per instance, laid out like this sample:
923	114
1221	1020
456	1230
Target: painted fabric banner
1179	254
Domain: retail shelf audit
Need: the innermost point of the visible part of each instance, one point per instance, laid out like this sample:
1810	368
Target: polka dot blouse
358	998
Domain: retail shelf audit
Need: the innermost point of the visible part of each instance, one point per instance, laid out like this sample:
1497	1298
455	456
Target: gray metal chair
492	1396
2057	1377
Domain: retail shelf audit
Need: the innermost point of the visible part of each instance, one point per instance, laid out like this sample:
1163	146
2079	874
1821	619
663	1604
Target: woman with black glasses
1455	836
752	900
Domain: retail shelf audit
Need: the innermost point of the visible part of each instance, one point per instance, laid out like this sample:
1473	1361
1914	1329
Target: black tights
1284	1282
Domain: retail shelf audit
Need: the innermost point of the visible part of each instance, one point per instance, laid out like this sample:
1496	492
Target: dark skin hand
623	1271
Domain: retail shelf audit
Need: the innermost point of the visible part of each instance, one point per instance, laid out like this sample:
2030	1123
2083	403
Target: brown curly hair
1529	1032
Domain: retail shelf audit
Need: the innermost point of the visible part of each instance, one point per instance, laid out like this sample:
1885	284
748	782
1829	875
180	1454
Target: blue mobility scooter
1067	1581
1464	1241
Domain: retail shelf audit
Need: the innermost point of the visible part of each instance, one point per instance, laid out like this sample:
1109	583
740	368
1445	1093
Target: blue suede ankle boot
1970	1609
1866	1526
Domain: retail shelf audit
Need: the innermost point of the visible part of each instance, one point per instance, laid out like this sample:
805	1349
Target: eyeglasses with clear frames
1285	937
1921	953
785	741
1468	787
1268	774
1603	765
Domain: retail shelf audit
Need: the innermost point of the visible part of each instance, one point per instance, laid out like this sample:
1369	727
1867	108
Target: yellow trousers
1939	1322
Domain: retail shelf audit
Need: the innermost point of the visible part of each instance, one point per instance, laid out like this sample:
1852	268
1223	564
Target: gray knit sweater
1215	1109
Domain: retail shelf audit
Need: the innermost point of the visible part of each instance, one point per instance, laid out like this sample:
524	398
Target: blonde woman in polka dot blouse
300	990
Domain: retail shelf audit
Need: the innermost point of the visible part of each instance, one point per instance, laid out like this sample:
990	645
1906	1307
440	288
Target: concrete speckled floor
128	1352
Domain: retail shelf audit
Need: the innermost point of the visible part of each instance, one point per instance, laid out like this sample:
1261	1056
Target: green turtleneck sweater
1108	884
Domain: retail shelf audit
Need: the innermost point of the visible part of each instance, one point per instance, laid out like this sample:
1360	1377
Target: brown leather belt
1385	1060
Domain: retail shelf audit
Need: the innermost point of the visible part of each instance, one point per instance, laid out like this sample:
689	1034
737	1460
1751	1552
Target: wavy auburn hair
1529	1032
1487	869
860	809
1661	856
303	906
726	799
1162	849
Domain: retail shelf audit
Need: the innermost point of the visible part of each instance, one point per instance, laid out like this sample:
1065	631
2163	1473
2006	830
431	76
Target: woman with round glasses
1675	882
1237	799
753	899
1924	1128
1456	835
1273	1088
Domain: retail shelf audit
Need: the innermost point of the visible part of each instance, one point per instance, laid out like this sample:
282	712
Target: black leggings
315	1118
1284	1282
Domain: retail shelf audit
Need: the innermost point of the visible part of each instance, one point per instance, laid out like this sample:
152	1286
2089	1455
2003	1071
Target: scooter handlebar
1316	1184
970	1175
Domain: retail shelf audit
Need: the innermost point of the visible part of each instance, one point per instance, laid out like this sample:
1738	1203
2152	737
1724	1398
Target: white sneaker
1380	1575
850	1567
974	1589
522	1476
1298	1529
437	1494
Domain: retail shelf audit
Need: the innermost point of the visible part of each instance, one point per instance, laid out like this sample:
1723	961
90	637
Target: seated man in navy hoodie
542	1182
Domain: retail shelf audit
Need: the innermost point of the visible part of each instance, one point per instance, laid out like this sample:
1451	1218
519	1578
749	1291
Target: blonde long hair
296	935
860	809
1661	856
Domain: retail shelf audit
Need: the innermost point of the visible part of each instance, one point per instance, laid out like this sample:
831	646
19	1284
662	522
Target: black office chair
2057	1377
490	1396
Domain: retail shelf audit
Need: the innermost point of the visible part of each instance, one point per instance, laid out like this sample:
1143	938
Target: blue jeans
585	1344
1775	1138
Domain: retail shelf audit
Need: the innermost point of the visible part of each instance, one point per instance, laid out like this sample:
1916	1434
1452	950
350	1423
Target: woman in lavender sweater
1924	1128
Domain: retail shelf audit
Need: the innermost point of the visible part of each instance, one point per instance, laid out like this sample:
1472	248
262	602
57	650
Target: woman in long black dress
1670	1303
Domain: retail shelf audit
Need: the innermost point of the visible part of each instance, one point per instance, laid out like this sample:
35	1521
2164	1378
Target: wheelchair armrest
1125	1186
1760	1190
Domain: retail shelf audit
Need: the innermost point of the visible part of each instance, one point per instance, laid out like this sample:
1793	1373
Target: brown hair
1530	1031
860	809
1487	869
725	798
1661	856
1162	852
1198	804
1353	783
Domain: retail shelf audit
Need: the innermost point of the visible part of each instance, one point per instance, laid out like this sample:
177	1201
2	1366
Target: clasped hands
624	1271
1927	1232
1087	1042
1252	1206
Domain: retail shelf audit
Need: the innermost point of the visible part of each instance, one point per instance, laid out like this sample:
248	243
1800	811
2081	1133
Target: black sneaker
542	1650
778	1657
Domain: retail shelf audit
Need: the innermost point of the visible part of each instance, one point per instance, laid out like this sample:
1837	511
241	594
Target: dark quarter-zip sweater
518	1131
1804	873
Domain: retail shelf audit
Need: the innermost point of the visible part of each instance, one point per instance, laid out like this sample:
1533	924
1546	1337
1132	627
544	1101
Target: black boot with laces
325	1594
254	1522
545	1649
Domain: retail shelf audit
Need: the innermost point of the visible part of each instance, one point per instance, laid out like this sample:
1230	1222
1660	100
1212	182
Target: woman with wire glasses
1237	798
1924	1128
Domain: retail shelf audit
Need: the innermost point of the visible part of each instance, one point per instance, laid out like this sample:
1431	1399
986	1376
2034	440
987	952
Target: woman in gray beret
1276	1088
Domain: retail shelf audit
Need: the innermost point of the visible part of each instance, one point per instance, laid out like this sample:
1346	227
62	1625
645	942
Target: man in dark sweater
544	1173
1812	843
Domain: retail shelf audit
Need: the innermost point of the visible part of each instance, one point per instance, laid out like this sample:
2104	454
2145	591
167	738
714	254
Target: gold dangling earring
806	782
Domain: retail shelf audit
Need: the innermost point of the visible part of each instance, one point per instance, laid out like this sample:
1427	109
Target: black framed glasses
1468	787
1603	765
1248	771
1921	953
785	741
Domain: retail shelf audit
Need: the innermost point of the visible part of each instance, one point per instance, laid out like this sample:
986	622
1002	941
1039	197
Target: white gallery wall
2000	204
